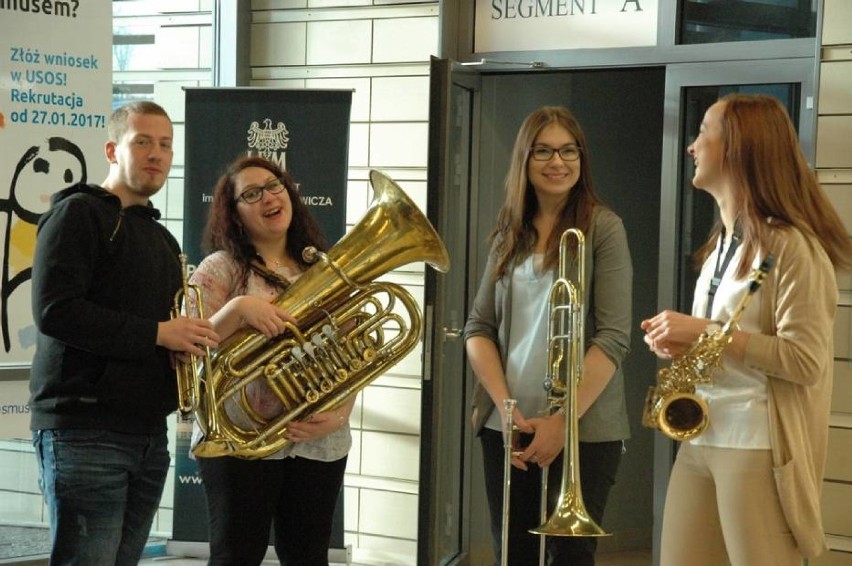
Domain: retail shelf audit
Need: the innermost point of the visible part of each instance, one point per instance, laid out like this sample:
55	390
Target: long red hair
773	180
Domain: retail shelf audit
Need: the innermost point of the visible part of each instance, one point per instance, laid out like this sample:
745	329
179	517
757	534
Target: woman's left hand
315	427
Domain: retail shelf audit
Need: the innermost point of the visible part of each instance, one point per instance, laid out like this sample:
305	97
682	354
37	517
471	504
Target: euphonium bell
350	330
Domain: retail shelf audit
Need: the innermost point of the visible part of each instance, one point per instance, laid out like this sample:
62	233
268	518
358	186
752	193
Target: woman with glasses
549	189
255	234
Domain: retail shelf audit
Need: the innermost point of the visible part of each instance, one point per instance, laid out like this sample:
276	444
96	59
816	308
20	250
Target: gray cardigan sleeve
612	287
483	317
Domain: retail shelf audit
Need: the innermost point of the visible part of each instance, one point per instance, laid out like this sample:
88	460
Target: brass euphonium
672	405
350	330
565	353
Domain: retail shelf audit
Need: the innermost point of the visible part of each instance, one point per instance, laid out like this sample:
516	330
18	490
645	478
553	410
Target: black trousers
245	497
598	465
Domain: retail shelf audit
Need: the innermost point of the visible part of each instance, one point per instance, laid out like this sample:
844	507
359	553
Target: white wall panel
357	200
386	551
278	44
841	395
23	507
405	39
280	83
350	507
843	332
841	197
400	99
836	28
353	462
388	514
359	145
337	3
360	87
391	409
835	90
339	43
833	141
171	96
390	455
399	145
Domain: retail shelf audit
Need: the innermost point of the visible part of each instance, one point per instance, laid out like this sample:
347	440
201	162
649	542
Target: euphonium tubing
350	330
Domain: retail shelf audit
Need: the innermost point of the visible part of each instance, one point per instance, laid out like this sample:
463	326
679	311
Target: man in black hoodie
105	275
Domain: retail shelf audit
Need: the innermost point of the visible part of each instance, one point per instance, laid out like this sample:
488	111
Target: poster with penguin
55	100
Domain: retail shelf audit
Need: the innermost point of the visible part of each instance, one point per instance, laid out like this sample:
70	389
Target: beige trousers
722	508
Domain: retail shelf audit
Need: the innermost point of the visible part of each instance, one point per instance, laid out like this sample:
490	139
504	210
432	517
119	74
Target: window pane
716	21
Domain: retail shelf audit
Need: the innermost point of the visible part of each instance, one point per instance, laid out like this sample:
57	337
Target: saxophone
672	405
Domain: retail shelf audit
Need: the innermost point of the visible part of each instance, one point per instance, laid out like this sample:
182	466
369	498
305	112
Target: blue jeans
102	490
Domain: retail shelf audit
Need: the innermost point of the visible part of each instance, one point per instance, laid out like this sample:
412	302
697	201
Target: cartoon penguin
41	171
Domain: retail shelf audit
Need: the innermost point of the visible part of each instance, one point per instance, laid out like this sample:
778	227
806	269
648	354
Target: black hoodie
103	277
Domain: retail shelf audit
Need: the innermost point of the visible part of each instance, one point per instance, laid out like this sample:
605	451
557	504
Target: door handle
452	332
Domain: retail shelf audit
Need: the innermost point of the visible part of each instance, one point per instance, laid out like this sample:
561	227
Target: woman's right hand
520	424
265	317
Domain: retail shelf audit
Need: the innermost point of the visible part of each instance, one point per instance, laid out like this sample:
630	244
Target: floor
633	558
33	544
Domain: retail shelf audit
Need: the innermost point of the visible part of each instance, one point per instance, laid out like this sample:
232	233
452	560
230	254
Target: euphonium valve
350	330
672	405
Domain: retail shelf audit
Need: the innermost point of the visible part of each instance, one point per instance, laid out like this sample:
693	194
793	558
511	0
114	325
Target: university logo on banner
269	141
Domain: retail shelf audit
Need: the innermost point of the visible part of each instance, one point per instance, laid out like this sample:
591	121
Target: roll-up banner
307	133
55	99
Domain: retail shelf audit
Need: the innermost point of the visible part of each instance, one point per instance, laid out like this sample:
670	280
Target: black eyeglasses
545	153
254	194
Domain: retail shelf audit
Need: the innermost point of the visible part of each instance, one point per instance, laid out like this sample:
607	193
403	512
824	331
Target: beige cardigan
796	352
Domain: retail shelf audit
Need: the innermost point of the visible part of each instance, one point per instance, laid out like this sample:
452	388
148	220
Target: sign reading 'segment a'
535	25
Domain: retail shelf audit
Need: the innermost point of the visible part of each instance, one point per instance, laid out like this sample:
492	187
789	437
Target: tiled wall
381	51
834	168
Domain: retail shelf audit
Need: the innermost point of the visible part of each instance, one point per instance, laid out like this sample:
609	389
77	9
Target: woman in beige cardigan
747	490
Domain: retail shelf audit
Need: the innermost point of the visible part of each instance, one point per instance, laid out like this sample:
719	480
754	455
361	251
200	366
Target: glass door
687	214
443	525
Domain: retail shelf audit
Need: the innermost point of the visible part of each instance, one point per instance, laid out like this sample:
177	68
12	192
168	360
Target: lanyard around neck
721	267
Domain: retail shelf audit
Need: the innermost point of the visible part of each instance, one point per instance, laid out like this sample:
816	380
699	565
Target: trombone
565	351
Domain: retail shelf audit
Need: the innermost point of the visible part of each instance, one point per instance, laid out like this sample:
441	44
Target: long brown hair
514	233
224	232
773	181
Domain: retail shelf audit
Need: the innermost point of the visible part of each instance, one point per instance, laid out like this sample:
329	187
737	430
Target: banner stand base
189	549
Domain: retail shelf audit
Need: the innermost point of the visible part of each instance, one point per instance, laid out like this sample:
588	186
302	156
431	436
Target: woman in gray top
548	190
